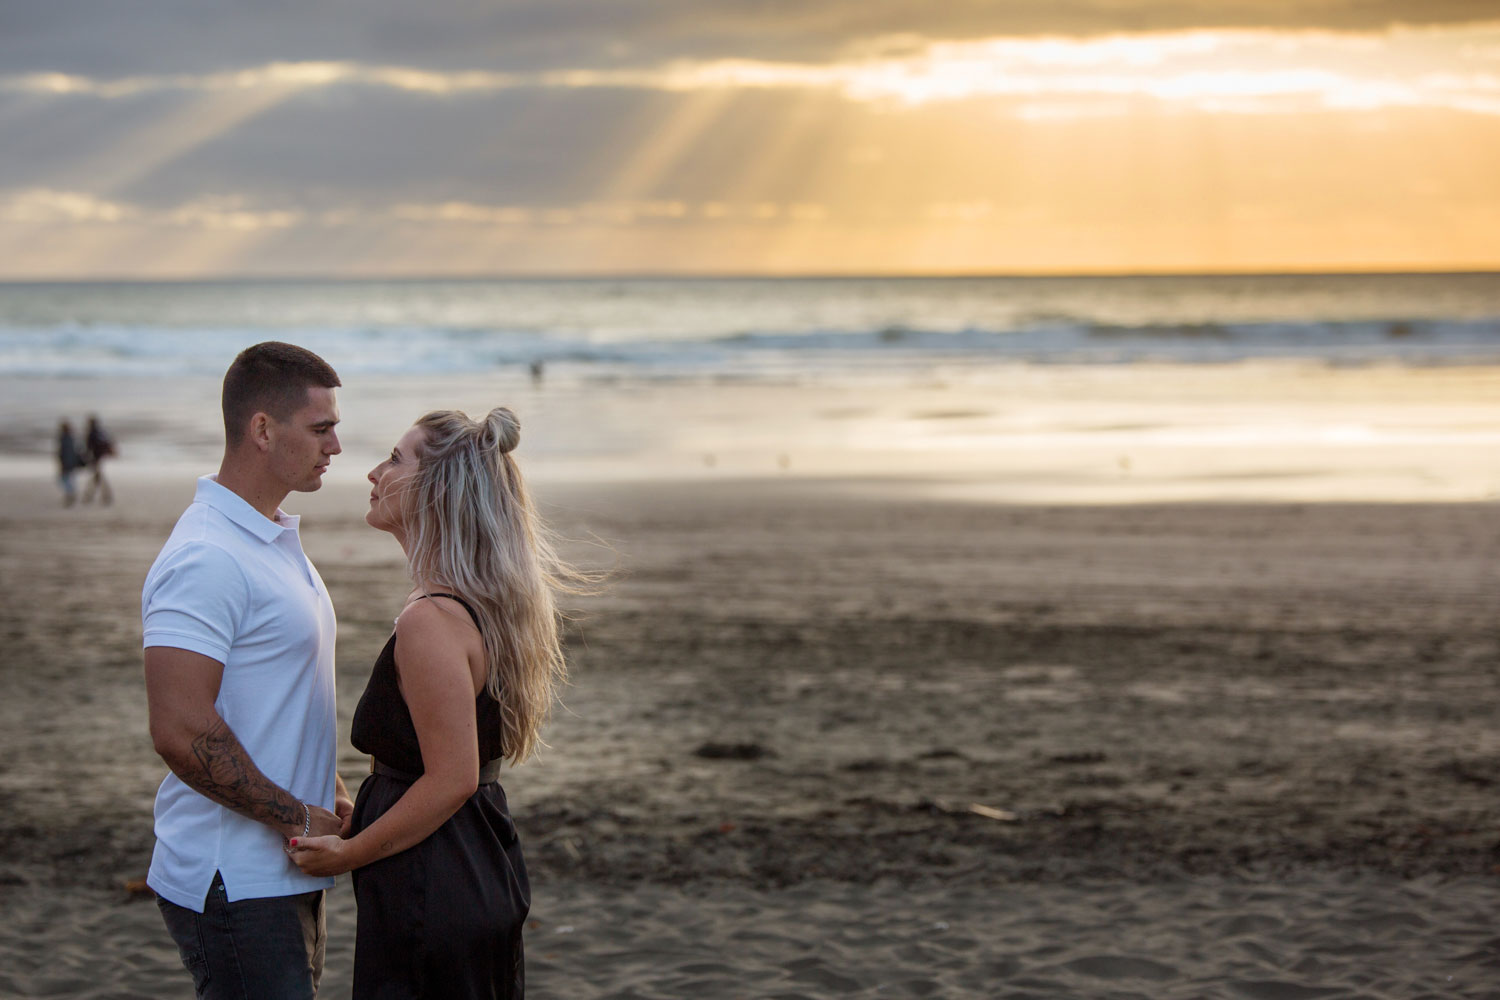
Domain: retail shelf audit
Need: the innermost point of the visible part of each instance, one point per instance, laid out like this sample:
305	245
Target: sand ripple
1315	937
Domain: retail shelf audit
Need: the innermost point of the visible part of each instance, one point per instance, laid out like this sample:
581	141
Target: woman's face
392	480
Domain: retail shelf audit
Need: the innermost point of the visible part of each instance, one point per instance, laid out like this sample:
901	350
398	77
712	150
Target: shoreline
1028	435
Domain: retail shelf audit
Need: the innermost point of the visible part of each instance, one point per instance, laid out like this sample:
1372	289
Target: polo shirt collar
238	510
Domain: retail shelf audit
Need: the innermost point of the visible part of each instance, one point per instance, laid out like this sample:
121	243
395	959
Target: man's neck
256	490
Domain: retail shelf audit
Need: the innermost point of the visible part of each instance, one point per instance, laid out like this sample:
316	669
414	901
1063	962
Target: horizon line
583	276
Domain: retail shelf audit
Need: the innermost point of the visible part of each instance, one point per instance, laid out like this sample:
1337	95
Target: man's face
303	443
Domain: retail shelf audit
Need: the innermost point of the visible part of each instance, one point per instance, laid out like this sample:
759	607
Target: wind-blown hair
473	527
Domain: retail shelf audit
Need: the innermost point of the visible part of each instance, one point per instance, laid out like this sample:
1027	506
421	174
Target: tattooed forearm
219	768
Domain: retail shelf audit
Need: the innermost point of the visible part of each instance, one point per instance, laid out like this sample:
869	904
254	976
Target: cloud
278	75
1222	71
351	134
107	38
230	213
318	137
47	206
227	212
237	213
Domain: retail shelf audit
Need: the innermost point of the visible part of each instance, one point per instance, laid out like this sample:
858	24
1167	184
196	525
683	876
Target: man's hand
343	806
344	809
324	823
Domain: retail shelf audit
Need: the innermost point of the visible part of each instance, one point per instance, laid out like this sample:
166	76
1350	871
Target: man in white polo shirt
238	635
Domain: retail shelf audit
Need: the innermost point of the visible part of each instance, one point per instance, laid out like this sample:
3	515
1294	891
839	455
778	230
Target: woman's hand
321	856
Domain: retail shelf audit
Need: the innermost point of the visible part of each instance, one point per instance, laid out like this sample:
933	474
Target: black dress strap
472	613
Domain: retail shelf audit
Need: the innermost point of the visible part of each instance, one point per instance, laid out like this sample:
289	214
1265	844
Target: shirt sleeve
195	599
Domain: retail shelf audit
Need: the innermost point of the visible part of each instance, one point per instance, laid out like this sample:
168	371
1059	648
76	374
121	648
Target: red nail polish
294	841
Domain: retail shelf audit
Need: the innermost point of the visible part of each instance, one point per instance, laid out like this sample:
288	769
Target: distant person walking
69	461
99	446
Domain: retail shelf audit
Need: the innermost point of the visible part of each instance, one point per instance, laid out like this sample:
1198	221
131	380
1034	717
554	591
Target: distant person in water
98	446
69	461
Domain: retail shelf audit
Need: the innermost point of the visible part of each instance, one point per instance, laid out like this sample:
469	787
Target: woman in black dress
465	682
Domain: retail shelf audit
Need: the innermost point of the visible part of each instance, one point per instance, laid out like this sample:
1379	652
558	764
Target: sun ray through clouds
1214	149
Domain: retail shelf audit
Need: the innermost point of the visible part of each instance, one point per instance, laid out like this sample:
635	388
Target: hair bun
502	430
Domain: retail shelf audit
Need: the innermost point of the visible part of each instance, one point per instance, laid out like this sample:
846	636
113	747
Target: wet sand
828	739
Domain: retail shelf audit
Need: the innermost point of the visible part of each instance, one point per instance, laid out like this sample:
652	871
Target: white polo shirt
234	586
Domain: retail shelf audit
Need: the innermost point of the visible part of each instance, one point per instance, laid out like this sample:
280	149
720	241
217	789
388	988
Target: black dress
442	919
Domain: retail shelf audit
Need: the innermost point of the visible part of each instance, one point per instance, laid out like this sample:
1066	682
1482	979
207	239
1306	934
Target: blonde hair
474	528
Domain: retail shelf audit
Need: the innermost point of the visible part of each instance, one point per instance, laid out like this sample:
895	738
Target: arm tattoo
220	769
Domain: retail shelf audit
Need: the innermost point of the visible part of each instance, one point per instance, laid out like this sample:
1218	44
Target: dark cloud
352	146
352	149
113	38
524	148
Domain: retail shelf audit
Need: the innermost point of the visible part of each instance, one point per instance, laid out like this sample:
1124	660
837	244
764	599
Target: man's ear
259	432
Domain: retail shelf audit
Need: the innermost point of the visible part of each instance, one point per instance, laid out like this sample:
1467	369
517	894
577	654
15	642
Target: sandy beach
827	738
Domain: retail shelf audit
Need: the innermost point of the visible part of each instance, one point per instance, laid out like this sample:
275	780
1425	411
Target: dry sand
1219	751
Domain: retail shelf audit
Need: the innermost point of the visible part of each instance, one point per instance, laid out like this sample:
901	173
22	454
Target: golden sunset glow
1197	150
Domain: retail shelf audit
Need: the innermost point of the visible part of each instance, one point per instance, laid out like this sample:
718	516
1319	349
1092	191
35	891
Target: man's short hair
271	378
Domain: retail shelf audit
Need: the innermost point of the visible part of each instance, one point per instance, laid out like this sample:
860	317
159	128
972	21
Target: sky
224	138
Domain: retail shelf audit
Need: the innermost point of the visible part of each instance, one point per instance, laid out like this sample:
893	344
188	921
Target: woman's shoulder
433	636
435	616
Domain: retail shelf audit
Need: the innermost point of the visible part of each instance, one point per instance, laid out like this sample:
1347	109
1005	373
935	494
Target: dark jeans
255	949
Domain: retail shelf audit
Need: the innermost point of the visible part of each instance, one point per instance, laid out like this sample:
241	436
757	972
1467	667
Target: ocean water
751	328
1019	389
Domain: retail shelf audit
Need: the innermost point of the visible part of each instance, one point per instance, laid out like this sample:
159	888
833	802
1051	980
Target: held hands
325	822
320	850
343	807
321	856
